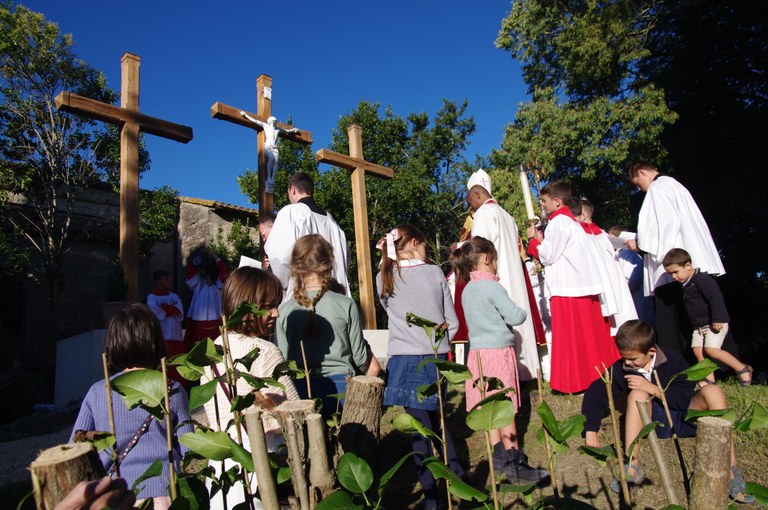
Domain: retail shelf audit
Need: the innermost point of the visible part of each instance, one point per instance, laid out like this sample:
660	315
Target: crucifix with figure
359	167
131	122
269	130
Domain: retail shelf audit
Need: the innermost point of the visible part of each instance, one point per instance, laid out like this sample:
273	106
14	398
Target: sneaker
518	470
737	489
632	478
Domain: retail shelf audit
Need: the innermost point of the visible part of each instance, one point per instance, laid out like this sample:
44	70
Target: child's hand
717	326
638	382
592	439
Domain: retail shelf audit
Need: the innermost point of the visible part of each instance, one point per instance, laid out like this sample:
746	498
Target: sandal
632	479
737	488
703	382
747	370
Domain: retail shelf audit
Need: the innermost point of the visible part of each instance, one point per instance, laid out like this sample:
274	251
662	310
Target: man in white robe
669	218
302	217
495	224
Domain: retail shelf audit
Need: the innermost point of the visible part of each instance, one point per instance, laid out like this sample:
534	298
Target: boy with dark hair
705	306
633	376
580	335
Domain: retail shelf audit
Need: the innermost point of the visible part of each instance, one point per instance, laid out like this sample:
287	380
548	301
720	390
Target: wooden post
258	442
57	470
359	167
653	440
222	111
361	418
712	465
297	410
320	472
295	461
131	122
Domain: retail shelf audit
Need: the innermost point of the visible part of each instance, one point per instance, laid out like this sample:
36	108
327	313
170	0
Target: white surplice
295	221
618	306
669	218
495	224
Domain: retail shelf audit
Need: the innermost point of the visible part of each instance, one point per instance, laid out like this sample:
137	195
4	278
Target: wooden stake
712	464
608	379
258	442
306	369
320	472
297	466
653	440
56	471
678	448
110	413
550	456
169	430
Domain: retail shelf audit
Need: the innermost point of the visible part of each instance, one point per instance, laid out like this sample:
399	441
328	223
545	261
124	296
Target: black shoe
499	458
518	470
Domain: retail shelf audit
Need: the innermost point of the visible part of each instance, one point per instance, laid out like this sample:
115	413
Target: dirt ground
578	476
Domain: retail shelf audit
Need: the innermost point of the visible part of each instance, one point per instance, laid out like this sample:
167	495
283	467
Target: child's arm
710	291
512	314
554	244
374	368
357	343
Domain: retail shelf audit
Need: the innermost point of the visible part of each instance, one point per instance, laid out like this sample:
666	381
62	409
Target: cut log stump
361	418
57	470
712	464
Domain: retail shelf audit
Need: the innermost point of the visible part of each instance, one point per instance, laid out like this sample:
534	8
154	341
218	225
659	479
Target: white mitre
480	178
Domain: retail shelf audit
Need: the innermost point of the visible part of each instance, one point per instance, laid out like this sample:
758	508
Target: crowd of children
594	325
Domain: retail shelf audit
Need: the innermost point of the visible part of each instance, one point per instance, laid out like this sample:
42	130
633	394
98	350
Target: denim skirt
403	379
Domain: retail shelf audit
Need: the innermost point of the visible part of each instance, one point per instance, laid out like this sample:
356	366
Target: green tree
48	155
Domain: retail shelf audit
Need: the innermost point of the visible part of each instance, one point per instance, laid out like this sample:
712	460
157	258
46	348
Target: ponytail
400	236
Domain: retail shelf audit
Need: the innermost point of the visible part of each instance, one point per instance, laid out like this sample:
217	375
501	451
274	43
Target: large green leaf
193	490
757	418
698	371
600	454
213	445
499	395
458	487
726	414
242	312
154	469
241	402
143	388
204	353
426	361
642	435
760	492
426	390
572	426
259	383
241	455
201	394
289	368
338	500
549	421
406	423
249	358
493	415
453	372
391	472
354	473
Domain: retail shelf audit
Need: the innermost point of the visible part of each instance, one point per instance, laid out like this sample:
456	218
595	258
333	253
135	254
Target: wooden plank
352	163
223	111
73	103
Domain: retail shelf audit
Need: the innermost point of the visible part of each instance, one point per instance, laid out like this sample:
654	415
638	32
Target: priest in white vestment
495	224
303	217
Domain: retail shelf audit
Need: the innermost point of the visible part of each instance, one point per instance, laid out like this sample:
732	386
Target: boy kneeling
633	375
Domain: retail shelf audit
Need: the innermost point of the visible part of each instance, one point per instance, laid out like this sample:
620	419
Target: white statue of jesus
271	132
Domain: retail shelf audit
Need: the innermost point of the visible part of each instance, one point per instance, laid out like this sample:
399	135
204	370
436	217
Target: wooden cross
129	119
359	167
264	106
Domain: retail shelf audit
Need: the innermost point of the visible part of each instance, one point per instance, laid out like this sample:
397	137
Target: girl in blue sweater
491	315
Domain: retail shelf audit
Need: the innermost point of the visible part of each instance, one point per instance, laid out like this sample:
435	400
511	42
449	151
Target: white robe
616	299
495	224
669	218
295	221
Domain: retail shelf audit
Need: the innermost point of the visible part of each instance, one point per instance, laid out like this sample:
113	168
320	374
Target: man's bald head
476	196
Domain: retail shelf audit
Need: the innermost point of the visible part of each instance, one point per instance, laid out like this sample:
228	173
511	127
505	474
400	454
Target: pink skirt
500	363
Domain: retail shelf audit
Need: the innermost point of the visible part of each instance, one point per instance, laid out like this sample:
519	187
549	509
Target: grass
579	476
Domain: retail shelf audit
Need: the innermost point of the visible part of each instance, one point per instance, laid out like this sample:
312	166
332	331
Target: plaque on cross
131	122
359	167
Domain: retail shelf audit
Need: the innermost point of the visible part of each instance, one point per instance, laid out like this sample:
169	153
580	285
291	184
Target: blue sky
323	56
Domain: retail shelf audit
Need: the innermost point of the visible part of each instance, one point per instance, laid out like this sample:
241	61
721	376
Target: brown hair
407	233
303	183
557	189
465	259
635	335
312	254
134	339
676	257
641	165
251	285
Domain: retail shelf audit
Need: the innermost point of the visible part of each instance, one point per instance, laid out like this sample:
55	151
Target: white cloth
618	306
495	224
567	257
669	218
206	299
170	324
480	178
295	221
